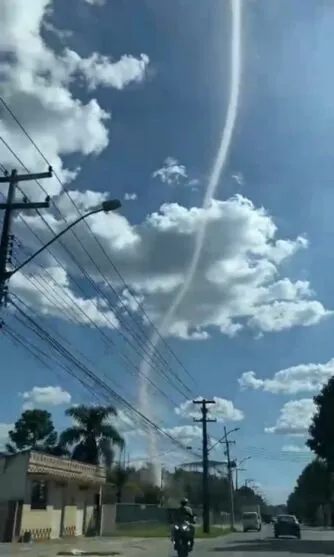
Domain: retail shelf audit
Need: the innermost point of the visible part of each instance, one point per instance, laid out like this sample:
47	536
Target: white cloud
98	3
37	84
295	449
130	196
193	183
295	379
171	172
45	396
99	70
48	292
238	178
187	434
223	410
295	417
238	282
123	421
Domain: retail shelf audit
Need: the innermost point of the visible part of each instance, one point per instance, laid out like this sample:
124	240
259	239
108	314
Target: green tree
311	491
93	435
34	430
150	495
245	496
119	476
321	430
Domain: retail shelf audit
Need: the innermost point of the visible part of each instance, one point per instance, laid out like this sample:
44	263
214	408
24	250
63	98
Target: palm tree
93	435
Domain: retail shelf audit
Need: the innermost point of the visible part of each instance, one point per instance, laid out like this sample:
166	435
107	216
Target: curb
95	553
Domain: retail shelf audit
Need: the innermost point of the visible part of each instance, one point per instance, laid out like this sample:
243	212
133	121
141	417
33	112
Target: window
39	494
249	515
286	518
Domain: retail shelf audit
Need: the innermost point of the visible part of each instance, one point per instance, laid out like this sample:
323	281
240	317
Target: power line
88	374
36	353
48	336
126	327
23	129
124	359
9	207
260	453
156	356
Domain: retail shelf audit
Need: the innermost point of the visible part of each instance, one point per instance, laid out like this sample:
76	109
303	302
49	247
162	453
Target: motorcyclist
186	514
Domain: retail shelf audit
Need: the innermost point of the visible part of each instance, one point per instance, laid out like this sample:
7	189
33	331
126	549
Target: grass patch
163	531
215	532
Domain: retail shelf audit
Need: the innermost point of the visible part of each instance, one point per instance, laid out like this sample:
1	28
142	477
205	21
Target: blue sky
261	298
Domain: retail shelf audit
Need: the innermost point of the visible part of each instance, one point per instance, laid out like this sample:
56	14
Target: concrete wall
127	513
108	520
13	476
42	523
60	518
90	516
68	506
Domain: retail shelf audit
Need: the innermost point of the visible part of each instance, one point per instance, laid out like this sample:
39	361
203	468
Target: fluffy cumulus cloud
237	284
45	396
187	434
222	410
37	84
295	379
239	281
48	291
294	418
171	172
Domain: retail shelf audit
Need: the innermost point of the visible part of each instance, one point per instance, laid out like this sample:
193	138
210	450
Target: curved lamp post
106	207
239	469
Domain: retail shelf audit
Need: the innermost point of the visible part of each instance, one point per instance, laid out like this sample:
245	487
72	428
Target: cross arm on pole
22	205
27	177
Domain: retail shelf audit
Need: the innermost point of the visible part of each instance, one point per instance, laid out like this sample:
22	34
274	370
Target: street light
223	438
105	207
238	469
244	459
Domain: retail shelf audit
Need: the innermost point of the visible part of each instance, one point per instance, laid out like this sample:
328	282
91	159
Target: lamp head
111	205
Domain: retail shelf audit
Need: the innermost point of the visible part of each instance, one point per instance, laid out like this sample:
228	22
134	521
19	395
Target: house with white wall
47	497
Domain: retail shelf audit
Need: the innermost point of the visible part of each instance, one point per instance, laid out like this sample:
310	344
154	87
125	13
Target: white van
251	521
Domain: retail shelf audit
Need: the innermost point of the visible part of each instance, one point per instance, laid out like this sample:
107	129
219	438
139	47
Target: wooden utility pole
9	206
205	476
230	465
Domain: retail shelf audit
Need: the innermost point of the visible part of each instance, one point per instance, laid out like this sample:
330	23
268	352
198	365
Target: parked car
287	525
251	521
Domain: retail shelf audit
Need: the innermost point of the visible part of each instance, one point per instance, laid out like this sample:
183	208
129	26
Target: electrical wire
56	299
106	255
95	380
143	346
124	359
64	189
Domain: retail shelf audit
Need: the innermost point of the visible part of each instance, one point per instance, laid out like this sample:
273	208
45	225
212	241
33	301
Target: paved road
313	542
263	544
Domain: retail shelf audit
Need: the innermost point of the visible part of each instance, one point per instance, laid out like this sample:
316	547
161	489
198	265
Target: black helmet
184	502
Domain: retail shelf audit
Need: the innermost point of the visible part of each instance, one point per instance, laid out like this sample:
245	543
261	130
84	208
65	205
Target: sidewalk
128	547
123	546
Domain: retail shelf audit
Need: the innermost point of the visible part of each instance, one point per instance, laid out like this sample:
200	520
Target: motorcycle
182	539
